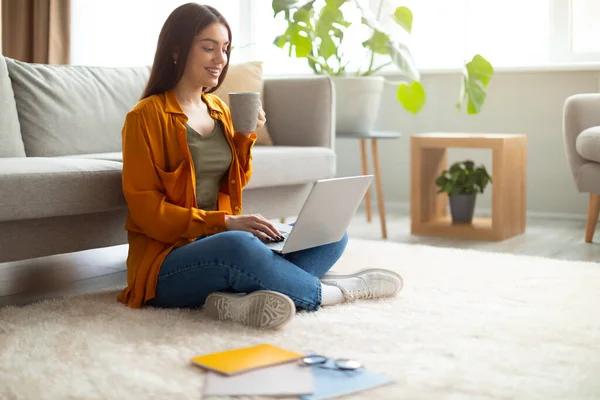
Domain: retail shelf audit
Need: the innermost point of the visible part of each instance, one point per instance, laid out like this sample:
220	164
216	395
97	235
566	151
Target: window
576	31
445	33
125	32
585	27
506	32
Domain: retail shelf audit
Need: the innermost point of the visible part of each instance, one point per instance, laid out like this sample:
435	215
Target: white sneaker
372	283
261	309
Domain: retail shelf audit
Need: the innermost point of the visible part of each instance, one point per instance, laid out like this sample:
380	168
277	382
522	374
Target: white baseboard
404	208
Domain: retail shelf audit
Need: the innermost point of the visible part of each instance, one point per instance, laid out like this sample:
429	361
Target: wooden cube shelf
428	210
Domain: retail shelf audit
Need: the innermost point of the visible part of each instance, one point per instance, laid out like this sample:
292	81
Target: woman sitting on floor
193	248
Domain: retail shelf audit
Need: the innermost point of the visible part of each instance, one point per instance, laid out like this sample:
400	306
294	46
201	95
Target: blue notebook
329	383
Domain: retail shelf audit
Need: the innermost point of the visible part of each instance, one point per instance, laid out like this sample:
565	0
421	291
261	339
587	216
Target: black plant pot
462	207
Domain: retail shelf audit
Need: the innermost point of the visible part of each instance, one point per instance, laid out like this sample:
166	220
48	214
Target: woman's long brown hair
177	35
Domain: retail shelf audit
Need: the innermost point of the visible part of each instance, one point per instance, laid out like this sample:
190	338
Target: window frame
561	36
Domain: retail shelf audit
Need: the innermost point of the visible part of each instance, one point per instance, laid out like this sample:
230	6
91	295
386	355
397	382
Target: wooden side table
373	136
428	209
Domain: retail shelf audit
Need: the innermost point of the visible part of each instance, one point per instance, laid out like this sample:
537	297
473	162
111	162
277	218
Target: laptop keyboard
279	244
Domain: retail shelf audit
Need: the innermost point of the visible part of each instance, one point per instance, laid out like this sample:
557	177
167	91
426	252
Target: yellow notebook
235	361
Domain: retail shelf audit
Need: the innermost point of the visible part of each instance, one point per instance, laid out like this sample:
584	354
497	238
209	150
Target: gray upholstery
11	142
300	111
30	238
280	165
65	109
114	156
588	144
581	122
272	165
61	161
39	187
588	178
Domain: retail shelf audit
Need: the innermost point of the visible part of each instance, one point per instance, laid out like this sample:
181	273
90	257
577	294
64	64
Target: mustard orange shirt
159	185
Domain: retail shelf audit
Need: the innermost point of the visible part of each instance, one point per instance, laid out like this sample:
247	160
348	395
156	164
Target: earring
174	62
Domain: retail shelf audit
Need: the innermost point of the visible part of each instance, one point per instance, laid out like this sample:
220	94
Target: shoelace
364	293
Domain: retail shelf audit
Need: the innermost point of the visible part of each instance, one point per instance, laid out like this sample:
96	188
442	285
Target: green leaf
455	167
377	42
280	41
402	57
287	5
337	33
464	178
303	15
328	19
477	75
479	68
448	187
327	28
327	47
302	45
335	3
412	97
440	181
404	17
456	175
298	41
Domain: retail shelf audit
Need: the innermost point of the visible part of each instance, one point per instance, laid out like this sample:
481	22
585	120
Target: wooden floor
29	281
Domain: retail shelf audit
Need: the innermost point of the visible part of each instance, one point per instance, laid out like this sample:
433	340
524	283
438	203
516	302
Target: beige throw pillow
246	77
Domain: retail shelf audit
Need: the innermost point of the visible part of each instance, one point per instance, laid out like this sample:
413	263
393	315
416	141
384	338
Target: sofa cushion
273	165
290	165
11	142
37	187
246	77
114	156
66	109
588	144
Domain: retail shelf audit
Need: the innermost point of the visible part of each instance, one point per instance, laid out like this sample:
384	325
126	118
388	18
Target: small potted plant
462	182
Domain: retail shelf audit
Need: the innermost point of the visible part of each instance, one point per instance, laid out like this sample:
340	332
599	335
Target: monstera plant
318	31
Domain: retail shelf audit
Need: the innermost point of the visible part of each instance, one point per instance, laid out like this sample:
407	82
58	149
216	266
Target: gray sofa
581	134
60	153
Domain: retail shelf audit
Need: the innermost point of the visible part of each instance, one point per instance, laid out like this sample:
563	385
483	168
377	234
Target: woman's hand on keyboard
255	224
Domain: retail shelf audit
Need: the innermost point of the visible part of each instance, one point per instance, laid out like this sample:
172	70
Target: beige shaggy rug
468	325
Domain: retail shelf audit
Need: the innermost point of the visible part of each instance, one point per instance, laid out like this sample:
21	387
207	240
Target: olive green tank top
211	155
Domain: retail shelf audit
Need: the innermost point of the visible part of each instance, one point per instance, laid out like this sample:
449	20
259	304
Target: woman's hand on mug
255	224
262	118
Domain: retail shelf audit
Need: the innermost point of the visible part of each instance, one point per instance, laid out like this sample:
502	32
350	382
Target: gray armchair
581	129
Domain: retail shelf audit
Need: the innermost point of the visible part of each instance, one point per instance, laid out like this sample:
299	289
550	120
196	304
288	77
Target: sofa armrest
581	111
300	111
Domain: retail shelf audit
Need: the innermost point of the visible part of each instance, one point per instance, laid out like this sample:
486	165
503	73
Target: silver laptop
325	215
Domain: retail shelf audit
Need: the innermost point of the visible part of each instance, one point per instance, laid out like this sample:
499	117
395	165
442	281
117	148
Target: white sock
331	295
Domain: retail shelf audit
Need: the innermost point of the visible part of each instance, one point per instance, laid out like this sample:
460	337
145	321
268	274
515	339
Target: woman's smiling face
208	56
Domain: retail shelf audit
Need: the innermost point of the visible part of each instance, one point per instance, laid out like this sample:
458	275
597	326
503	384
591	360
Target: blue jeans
238	262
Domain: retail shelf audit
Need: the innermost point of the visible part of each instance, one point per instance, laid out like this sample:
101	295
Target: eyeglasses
344	364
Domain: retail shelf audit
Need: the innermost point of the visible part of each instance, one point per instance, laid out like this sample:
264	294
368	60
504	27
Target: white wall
518	102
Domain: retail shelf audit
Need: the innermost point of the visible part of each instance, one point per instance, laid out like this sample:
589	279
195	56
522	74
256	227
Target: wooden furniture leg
380	205
509	203
592	219
365	170
426	205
